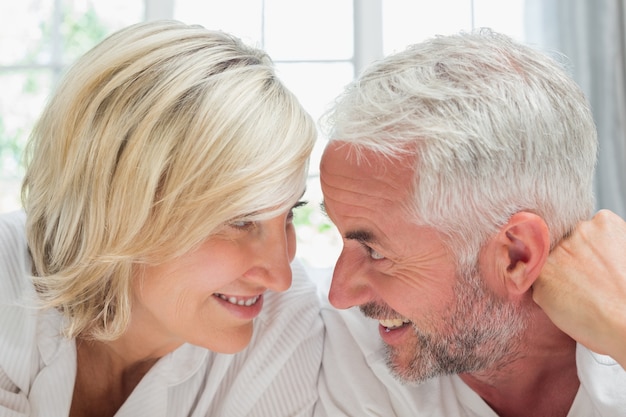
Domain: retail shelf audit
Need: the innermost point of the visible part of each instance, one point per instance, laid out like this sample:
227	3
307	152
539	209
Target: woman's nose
275	249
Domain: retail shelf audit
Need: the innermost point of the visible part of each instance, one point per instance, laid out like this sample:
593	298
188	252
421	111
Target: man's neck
542	379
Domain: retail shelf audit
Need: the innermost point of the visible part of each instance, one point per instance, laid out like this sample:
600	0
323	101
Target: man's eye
373	254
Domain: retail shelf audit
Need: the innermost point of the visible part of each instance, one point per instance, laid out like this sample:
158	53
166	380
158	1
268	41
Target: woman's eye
241	224
297	205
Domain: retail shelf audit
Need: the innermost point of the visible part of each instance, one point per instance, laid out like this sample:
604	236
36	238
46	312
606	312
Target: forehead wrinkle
392	172
376	199
376	187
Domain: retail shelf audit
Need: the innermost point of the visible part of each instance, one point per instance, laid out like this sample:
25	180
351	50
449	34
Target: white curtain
591	33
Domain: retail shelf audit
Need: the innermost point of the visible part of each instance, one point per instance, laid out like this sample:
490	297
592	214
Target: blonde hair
155	138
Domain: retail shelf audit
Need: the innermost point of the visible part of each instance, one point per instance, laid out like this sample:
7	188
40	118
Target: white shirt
275	375
355	380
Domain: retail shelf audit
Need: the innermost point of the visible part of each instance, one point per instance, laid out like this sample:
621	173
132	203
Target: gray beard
480	333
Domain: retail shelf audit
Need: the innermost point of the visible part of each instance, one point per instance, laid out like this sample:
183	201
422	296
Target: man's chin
417	365
409	368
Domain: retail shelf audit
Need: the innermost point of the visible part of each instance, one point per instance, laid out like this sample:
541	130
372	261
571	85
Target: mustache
377	311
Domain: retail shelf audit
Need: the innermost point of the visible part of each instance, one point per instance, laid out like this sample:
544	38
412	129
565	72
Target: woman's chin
232	341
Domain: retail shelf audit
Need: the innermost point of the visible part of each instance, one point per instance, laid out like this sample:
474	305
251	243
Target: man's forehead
366	185
345	159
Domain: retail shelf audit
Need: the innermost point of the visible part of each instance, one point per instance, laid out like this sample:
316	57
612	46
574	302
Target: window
408	21
38	38
317	46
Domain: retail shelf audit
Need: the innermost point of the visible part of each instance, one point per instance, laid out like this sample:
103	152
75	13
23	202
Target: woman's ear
524	244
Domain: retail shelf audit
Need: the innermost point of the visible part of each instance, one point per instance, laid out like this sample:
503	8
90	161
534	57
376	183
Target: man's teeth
393	323
239	301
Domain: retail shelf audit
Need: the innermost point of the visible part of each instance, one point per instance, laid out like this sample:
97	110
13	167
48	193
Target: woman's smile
244	307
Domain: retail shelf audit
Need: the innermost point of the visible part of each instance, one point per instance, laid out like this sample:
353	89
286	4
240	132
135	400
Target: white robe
355	380
275	375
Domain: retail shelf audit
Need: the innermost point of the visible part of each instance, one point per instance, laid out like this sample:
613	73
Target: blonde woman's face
210	296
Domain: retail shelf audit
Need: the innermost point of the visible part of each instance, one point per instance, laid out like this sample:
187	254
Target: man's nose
349	286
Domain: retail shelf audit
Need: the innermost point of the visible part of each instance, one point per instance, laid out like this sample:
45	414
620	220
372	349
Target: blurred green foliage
79	31
311	216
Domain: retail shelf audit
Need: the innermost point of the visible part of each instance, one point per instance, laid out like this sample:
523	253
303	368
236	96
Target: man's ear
524	247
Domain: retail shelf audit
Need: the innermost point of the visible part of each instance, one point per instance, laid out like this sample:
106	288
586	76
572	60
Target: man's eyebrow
362	236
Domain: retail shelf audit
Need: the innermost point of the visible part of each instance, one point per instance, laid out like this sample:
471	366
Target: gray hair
497	127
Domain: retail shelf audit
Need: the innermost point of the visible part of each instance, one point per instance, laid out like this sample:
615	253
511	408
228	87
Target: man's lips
392	324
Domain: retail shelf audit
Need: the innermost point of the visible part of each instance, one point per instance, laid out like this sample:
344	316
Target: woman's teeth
392	324
239	301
